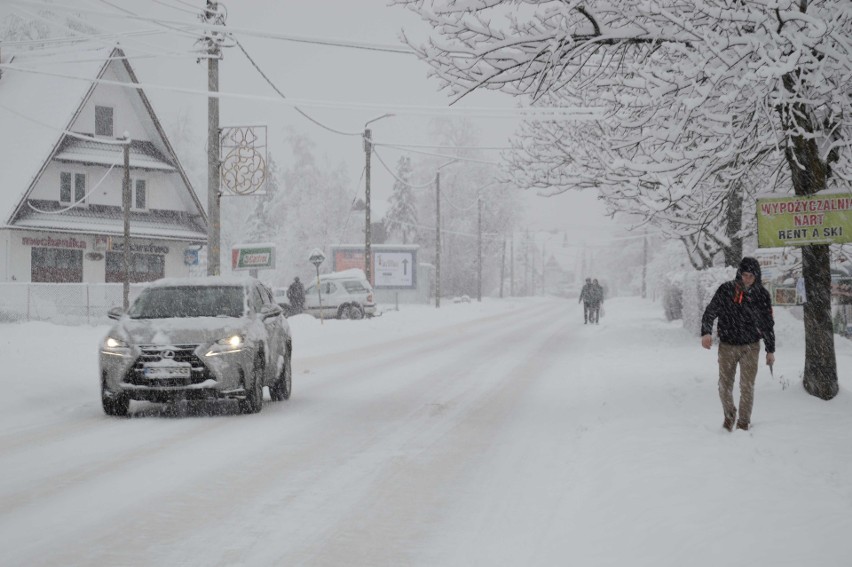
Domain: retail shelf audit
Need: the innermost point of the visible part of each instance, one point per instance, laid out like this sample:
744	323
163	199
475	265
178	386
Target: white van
345	295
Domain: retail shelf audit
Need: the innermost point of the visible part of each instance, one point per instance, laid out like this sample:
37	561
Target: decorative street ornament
243	159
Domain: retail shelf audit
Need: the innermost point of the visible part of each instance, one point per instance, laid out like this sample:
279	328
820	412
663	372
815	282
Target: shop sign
50	242
800	221
253	257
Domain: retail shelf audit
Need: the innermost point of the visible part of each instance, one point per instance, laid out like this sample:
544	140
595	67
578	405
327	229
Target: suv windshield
189	301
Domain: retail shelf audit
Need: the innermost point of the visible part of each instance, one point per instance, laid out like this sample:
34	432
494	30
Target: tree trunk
820	377
809	175
734	214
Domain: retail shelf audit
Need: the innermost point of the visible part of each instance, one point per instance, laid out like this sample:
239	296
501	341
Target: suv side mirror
270	310
115	313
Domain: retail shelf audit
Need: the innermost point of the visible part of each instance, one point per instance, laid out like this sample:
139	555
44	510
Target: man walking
586	298
296	295
596	302
744	310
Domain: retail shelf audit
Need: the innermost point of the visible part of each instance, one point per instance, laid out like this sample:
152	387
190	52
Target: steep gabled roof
37	108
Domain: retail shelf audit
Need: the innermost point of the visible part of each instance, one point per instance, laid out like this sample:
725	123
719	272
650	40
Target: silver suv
197	339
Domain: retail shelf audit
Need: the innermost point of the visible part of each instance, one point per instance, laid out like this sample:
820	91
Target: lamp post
368	236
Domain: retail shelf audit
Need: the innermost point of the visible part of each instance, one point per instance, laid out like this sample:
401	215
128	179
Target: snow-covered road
504	434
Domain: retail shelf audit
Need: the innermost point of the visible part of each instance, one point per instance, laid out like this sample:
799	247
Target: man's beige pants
746	356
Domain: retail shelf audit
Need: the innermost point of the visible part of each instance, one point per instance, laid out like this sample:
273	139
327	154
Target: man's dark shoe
743	426
728	423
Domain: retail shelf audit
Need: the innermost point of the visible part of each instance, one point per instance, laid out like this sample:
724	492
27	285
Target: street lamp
368	150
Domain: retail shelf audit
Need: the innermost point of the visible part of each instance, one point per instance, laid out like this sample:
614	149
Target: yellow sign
799	221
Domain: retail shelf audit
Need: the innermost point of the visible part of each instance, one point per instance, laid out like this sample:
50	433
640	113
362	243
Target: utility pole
479	246
644	261
125	203
212	16
512	265
437	239
368	264
503	269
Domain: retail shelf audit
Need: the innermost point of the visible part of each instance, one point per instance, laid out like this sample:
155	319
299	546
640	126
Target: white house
61	174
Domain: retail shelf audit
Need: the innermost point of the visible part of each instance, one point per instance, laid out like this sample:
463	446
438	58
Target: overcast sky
314	72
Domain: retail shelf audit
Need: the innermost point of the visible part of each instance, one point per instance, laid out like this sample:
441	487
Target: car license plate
167	371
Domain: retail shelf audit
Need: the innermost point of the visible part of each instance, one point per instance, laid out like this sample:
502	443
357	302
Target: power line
472	160
62	130
78	39
283	96
242	31
400	109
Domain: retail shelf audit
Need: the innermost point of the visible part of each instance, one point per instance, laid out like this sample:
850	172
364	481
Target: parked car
210	338
345	295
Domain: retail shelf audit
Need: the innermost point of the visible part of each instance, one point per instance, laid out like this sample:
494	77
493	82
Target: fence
65	303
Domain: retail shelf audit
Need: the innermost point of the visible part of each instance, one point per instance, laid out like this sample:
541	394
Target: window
65	182
143	267
139	199
59	265
103	121
64	187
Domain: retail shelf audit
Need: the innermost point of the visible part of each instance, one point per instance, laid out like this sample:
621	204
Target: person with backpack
743	308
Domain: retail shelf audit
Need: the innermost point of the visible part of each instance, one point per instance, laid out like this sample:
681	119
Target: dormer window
103	121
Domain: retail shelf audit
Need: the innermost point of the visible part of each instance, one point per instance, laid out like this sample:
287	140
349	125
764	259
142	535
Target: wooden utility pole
368	150
437	239
644	261
479	246
512	265
503	269
125	203
211	15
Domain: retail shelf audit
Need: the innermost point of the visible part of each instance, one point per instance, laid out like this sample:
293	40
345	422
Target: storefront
60	258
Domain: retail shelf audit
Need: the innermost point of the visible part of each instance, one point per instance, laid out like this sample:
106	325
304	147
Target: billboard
799	221
394	266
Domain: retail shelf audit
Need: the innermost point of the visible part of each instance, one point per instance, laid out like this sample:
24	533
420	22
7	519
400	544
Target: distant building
61	175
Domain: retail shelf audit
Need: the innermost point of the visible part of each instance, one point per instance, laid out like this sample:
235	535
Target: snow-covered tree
685	83
401	218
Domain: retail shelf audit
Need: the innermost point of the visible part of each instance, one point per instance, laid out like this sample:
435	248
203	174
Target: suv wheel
356	311
283	386
117	405
254	395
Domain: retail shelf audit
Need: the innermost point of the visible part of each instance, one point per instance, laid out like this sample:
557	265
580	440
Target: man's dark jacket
745	315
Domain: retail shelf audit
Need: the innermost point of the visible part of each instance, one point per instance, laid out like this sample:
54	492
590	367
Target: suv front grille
182	353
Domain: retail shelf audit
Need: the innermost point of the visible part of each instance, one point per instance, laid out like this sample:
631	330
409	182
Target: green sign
799	221
253	257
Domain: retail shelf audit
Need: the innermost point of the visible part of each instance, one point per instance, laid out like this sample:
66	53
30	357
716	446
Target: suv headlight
233	343
115	346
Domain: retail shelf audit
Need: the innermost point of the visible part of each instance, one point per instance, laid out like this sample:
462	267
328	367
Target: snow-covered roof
85	222
143	155
34	109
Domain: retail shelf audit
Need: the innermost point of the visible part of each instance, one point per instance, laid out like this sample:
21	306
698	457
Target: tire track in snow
322	466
